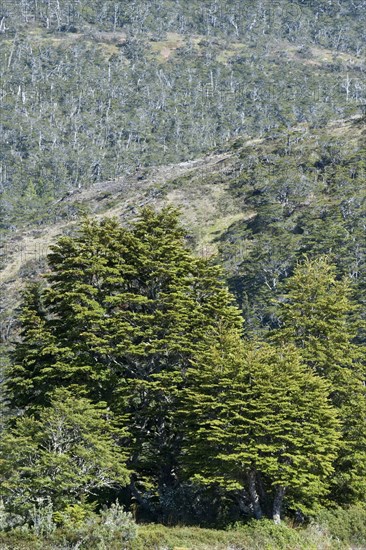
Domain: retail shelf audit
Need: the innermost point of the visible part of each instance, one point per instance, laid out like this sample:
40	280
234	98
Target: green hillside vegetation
92	91
182	275
307	191
260	203
163	403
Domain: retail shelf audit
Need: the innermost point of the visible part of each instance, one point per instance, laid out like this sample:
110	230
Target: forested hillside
96	90
259	205
182	274
131	379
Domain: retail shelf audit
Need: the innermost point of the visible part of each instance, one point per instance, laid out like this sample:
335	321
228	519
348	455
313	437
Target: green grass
254	536
338	529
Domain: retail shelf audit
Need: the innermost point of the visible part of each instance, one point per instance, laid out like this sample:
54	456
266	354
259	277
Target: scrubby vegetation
95	90
193	378
337	529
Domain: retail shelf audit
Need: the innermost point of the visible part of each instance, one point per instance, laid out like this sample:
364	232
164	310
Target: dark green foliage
318	315
36	352
259	421
138	341
124	314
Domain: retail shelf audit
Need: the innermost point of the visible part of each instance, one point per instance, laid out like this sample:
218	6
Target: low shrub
79	527
112	528
346	525
76	527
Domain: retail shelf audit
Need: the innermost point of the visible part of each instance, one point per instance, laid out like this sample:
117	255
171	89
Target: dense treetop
131	366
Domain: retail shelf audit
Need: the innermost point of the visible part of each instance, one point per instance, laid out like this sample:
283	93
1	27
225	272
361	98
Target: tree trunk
141	501
277	504
264	498
254	497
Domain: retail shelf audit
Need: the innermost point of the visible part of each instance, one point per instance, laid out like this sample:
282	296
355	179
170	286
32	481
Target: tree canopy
260	421
132	368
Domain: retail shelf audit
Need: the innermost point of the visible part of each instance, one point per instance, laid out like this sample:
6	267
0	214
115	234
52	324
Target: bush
42	520
266	534
112	529
8	519
256	535
74	515
346	525
75	527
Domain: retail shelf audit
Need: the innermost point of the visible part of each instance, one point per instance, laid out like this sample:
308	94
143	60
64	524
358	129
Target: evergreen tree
319	317
127	310
35	357
65	454
260	422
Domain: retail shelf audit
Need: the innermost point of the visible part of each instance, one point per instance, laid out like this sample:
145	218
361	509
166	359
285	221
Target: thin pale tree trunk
277	504
254	497
262	494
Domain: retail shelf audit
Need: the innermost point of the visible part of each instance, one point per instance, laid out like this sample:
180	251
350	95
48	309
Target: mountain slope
92	90
259	204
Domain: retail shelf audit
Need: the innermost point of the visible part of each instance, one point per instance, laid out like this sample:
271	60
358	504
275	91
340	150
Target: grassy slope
263	535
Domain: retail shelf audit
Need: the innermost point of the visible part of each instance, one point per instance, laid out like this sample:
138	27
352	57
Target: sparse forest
182	275
95	90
